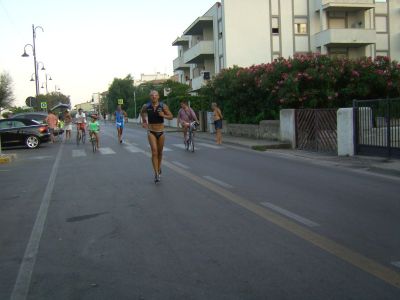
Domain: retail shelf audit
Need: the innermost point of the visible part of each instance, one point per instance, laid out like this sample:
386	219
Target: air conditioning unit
206	75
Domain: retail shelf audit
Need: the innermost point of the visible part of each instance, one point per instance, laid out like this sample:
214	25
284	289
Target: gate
316	130
377	127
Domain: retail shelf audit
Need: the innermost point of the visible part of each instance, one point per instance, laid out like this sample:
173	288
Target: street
224	223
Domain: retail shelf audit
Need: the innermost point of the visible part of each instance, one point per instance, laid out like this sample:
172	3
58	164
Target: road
224	223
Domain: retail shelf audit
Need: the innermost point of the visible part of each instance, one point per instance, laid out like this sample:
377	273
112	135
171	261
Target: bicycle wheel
83	137
191	143
78	137
94	144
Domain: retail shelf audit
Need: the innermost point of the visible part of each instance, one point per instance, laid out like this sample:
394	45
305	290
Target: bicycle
93	139
80	136
189	143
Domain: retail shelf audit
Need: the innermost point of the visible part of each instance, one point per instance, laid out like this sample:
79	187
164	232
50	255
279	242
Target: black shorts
218	124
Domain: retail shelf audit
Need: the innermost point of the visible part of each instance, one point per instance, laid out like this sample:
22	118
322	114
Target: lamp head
25	54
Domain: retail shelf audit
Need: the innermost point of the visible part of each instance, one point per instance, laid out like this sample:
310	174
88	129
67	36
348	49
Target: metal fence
316	130
377	127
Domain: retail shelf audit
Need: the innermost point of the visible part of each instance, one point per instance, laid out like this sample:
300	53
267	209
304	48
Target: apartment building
243	33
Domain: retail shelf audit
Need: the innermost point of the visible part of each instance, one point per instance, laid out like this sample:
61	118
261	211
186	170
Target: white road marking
180	165
291	215
106	151
133	149
40	157
78	153
23	282
210	146
396	263
165	149
219	182
182	146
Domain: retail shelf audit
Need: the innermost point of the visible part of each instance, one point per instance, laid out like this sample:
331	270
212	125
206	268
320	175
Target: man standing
120	118
217	122
51	121
186	116
156	112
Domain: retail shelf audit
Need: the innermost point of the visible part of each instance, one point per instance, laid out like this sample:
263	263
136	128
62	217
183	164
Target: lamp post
33	46
48	77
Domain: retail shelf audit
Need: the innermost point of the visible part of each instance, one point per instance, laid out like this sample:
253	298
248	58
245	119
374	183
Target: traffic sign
120	101
43	105
31	101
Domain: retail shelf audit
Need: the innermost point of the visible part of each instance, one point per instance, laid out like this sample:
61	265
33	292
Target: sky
87	43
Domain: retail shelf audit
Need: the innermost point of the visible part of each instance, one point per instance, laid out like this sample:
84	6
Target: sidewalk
379	165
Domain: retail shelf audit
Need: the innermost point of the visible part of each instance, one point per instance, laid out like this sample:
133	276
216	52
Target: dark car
39	117
21	131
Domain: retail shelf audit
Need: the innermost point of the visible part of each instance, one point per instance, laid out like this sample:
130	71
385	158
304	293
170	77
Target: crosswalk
134	149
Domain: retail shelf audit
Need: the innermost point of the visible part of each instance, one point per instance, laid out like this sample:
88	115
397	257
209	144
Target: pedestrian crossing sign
43	105
120	101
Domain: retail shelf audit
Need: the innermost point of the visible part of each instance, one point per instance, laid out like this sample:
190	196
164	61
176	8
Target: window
5	124
300	26
275	25
220	29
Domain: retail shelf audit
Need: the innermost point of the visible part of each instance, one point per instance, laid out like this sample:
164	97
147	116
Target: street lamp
48	77
33	46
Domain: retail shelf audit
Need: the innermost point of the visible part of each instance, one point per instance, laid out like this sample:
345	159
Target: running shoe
157	178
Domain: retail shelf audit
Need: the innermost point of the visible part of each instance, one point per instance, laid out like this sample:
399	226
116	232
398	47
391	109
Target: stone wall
268	130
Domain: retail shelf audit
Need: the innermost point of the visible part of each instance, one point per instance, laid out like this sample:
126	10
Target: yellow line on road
356	259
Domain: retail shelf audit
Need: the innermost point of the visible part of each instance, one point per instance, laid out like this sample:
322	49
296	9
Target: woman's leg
97	139
160	147
154	151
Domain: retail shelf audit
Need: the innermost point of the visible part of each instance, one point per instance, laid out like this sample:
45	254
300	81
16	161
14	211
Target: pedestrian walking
52	121
120	118
217	122
153	114
67	124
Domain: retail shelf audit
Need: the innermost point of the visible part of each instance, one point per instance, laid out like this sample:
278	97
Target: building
157	78
243	33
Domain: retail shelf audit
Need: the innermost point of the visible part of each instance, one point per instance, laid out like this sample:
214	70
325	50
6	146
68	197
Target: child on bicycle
94	128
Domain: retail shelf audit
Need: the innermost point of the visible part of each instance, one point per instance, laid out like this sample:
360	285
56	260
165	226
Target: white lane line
291	215
396	263
180	165
219	182
134	149
23	282
106	151
165	149
78	153
210	146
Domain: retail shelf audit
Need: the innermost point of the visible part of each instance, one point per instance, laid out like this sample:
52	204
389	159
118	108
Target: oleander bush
249	95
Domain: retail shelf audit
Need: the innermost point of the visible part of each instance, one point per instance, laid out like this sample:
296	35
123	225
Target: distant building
86	106
243	33
154	78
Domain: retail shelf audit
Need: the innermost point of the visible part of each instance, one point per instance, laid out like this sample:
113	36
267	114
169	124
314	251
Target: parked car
20	131
39	117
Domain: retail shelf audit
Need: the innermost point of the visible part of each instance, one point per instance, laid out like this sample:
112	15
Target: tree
52	100
120	89
6	90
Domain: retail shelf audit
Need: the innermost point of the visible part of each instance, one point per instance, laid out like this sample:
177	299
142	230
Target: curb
7	158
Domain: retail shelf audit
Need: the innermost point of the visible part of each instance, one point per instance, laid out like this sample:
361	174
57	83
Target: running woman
153	114
120	118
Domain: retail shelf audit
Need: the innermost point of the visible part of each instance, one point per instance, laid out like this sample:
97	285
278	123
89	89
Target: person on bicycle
153	114
120	118
186	116
94	128
80	121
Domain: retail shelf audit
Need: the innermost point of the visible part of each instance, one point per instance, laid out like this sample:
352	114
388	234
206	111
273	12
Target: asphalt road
224	223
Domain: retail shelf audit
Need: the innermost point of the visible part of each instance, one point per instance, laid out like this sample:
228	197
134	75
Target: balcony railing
199	52
345	4
345	37
179	64
198	82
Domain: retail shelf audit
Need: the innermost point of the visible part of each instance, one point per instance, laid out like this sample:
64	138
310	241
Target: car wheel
32	142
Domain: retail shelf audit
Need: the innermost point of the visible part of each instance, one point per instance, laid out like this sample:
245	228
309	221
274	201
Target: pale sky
87	43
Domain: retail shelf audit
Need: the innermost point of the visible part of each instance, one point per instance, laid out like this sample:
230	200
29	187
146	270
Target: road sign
31	101
120	101
43	105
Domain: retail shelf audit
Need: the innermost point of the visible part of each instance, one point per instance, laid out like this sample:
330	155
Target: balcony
200	51
198	25
345	5
180	65
347	37
181	41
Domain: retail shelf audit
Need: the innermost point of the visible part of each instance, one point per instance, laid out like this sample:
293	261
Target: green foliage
120	89
52	100
17	110
6	90
249	95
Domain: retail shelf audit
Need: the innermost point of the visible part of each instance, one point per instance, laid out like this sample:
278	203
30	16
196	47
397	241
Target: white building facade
243	33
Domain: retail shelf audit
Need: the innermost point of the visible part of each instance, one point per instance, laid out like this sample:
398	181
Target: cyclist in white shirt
80	121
